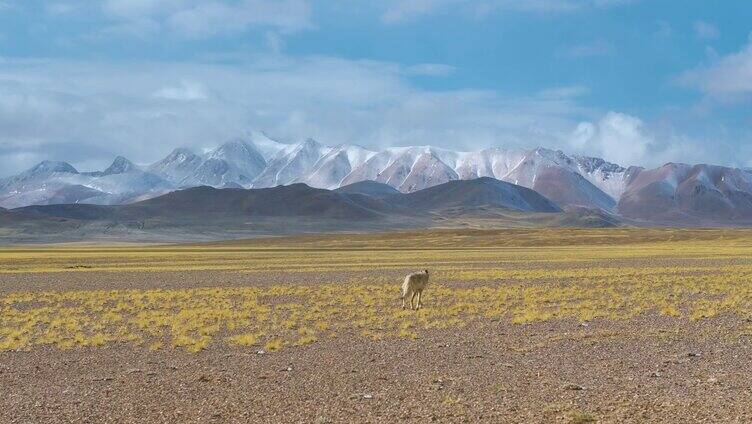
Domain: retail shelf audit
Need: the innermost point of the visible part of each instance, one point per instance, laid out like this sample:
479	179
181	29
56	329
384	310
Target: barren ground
518	326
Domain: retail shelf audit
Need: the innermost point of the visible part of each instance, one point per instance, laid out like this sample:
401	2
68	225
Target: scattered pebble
655	374
573	387
367	396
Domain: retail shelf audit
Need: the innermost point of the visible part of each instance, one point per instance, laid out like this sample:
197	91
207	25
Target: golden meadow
510	277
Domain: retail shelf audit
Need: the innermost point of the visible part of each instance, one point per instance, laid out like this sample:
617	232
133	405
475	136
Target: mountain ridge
258	161
300	199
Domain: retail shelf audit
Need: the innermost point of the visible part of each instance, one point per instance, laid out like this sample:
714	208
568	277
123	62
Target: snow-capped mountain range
258	161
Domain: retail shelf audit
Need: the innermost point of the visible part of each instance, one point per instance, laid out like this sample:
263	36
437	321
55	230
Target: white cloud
627	140
431	70
595	48
728	78
88	112
398	11
61	8
706	31
618	137
186	90
565	91
186	18
209	18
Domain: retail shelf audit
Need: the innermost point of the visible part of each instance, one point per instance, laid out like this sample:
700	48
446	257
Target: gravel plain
490	372
648	368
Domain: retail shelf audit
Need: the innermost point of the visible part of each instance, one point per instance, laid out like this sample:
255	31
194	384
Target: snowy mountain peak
49	167
295	163
181	154
267	146
310	143
237	151
120	165
33	179
553	156
311	147
178	165
356	155
255	160
233	148
236	162
590	164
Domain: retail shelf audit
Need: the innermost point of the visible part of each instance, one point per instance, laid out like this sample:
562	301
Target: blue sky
636	82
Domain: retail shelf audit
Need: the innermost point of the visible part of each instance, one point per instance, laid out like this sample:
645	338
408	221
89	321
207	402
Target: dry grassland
516	277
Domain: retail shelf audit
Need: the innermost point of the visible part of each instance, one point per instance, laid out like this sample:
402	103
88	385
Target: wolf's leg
411	299
420	296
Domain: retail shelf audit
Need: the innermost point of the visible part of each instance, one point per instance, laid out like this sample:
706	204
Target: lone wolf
414	285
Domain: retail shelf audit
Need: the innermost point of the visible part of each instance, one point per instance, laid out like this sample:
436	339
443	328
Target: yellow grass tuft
274	344
243	340
549	275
